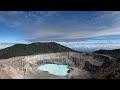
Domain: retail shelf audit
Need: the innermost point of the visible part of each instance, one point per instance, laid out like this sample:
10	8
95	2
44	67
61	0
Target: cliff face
80	65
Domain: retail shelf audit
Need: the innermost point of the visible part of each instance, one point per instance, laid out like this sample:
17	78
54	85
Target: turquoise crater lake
60	70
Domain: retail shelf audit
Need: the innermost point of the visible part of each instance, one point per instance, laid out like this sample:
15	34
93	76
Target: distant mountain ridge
114	53
32	49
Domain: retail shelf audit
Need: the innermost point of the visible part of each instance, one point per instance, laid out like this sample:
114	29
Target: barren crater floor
80	65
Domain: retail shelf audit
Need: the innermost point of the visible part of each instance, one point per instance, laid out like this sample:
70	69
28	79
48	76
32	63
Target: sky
81	30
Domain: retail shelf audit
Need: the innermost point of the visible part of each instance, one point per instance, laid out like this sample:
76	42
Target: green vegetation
32	49
114	53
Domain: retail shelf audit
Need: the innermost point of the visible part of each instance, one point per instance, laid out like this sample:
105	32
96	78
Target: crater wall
81	65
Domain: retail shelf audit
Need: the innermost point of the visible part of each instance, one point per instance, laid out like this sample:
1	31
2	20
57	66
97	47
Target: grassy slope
32	49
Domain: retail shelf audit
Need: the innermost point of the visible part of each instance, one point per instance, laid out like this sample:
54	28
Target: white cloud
76	32
35	25
5	45
90	47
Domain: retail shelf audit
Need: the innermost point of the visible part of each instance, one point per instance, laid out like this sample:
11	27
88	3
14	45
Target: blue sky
75	29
